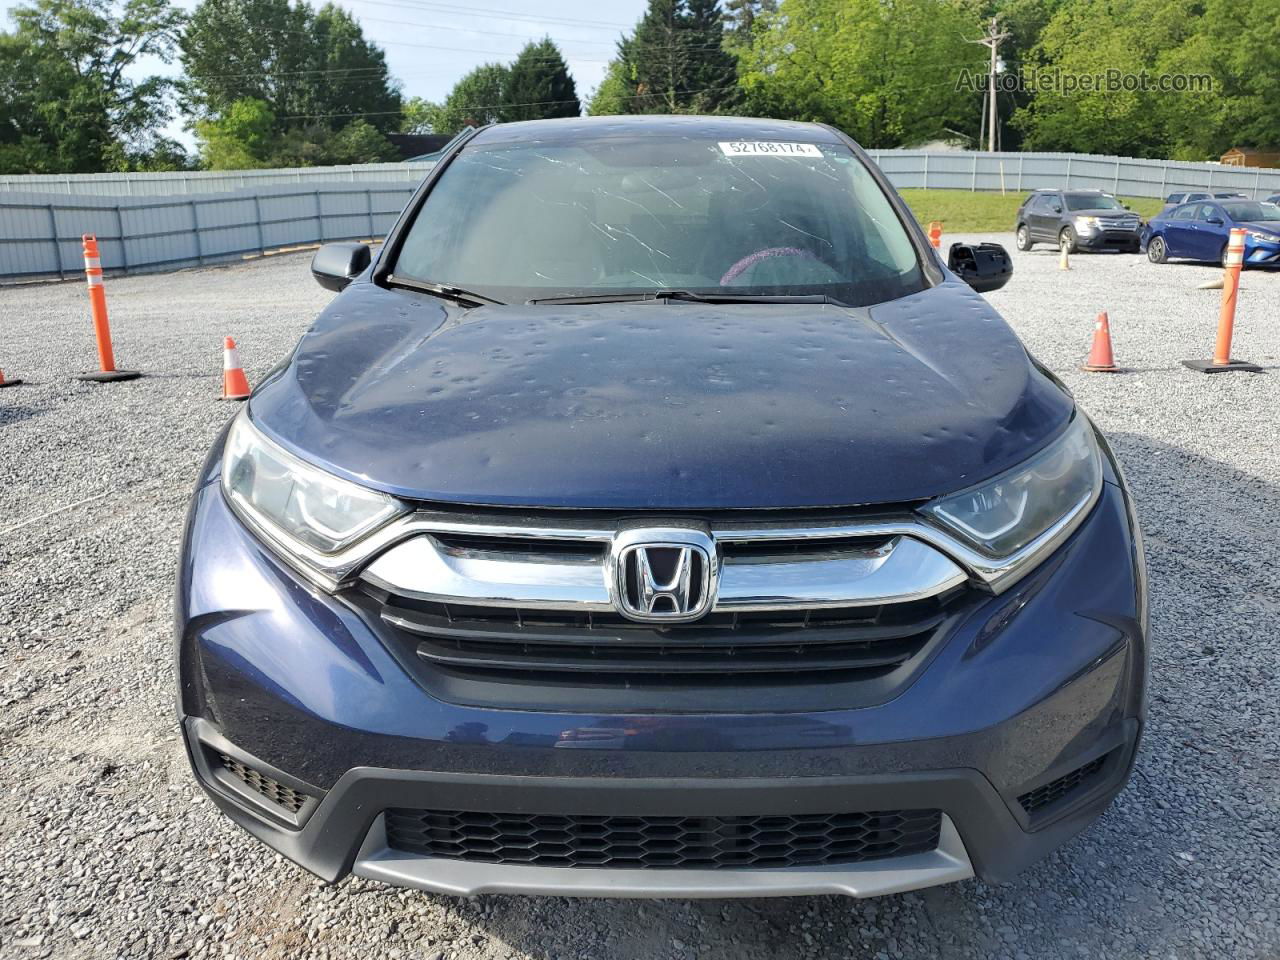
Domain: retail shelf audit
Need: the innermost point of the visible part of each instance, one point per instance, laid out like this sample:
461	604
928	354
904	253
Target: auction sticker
767	148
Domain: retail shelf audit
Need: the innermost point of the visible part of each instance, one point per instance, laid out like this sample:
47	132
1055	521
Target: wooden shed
1251	157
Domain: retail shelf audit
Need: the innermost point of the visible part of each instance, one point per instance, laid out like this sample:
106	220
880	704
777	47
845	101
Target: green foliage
360	142
243	137
475	100
322	90
610	98
1089	37
1238	44
740	18
69	102
417	115
884	72
538	85
674	62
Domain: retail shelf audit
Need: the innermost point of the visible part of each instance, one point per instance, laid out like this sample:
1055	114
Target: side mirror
1216	221
1126	206
983	266
1057	209
336	264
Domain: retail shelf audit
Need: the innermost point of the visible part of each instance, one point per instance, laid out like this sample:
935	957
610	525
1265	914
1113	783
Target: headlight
1050	491
1264	237
1086	223
293	502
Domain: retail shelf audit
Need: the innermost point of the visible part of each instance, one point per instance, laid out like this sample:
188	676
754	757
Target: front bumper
295	684
1261	254
1123	240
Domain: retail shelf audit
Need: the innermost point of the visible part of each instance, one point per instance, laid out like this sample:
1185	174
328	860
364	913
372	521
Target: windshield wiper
691	297
447	291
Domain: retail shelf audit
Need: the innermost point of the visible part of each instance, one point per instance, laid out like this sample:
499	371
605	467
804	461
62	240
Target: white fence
40	234
170	220
1016	172
207	181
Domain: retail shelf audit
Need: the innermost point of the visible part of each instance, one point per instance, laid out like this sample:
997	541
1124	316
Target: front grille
811	614
1055	790
663	842
282	796
516	642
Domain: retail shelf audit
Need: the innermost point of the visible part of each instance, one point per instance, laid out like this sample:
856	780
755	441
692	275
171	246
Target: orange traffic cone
935	234
1100	358
235	385
7	383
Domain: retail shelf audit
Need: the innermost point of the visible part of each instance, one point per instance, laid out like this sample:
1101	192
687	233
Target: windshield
1251	210
621	215
1092	201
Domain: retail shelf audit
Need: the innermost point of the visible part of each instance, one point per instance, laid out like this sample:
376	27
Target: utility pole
992	41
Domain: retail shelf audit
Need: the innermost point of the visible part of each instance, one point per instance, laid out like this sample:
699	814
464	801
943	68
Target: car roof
569	129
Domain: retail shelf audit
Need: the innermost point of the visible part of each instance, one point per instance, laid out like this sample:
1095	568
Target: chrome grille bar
815	575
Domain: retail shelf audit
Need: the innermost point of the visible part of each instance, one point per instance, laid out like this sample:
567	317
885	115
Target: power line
493	106
435	6
411	5
335	71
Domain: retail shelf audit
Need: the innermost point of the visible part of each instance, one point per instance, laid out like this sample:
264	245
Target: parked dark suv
656	514
1077	220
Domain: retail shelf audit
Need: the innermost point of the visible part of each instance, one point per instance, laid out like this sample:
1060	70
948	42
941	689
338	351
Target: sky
430	44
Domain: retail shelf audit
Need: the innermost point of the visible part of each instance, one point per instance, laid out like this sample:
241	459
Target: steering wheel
751	259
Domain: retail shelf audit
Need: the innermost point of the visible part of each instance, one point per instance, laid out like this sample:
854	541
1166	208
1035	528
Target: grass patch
962	211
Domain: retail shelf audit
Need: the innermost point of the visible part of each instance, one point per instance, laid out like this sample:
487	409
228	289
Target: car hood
659	405
1105	212
1262	226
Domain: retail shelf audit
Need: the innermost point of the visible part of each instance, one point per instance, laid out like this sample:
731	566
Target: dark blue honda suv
657	515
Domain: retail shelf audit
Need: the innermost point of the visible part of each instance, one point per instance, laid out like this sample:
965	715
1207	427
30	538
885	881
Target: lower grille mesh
263	785
1056	790
663	842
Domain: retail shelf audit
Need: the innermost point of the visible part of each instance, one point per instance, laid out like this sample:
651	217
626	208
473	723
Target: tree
1087	38
740	17
1237	45
475	100
69	99
674	62
356	79
242	138
610	98
884	72
325	88
360	142
418	115
538	85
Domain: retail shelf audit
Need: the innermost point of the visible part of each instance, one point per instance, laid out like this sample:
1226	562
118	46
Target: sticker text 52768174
767	148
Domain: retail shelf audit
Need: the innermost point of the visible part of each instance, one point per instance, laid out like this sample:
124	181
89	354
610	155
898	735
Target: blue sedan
1200	230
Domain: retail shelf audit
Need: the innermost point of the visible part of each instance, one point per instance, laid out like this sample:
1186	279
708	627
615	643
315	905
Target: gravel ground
107	848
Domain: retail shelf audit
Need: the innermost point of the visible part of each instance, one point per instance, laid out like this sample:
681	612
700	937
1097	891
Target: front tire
1067	238
1156	250
1022	239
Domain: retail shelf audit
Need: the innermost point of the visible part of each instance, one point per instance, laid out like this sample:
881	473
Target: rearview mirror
336	264
983	266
